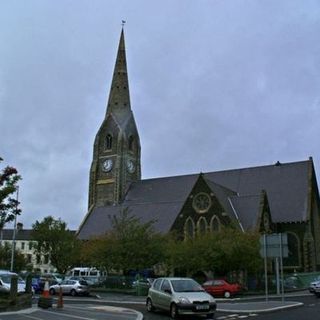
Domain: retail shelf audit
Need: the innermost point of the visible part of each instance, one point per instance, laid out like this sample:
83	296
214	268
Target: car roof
174	278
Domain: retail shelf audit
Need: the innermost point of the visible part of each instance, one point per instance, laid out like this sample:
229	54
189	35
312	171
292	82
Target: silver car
73	287
180	296
5	282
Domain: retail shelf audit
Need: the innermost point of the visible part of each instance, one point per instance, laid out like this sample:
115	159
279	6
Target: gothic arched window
215	224
293	259
108	142
189	228
131	143
202	226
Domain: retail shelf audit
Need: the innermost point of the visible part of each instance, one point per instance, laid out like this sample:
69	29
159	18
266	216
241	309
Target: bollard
60	299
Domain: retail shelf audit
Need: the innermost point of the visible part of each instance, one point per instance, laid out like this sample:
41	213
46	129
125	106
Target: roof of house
161	199
24	234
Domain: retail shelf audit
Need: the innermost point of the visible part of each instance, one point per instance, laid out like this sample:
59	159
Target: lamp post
14	232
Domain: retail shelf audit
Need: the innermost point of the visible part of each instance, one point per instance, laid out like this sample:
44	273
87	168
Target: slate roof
162	199
247	209
286	186
24	234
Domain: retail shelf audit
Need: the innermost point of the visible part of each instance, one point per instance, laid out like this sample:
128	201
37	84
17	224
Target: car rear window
83	282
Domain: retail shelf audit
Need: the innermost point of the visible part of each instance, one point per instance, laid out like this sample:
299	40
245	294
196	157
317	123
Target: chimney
19	226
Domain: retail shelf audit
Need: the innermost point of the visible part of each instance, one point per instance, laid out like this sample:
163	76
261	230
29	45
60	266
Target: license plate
202	307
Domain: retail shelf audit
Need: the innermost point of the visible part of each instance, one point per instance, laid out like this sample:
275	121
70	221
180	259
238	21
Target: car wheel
150	306
73	292
52	291
227	294
210	316
174	311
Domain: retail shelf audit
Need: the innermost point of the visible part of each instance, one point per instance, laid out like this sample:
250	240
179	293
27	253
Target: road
79	309
75	312
310	311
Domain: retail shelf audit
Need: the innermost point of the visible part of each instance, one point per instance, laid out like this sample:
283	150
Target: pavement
251	305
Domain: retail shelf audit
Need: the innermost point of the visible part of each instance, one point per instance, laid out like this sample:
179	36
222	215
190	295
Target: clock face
130	166
107	165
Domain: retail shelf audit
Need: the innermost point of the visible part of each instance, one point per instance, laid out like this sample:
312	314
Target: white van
91	274
5	281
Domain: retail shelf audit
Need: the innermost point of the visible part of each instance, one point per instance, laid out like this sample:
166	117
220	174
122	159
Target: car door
65	286
155	293
208	286
165	294
217	287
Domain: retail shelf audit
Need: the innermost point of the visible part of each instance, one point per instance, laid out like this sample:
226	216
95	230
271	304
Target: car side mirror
168	291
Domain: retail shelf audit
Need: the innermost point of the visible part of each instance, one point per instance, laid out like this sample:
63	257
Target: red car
221	288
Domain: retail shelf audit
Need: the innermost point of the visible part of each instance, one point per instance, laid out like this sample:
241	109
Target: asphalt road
310	311
75	312
78	309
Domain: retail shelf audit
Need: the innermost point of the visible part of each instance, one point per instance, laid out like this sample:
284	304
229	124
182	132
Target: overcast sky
214	85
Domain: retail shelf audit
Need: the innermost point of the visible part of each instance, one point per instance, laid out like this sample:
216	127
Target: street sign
271	245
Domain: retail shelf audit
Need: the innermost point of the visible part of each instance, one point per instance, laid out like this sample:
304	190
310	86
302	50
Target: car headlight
183	300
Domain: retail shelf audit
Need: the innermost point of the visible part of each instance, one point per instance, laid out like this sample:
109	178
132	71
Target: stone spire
119	98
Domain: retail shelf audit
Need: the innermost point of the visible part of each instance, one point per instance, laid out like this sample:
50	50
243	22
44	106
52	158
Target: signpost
274	245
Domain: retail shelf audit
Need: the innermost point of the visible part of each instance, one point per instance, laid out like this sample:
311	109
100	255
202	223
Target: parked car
221	288
180	296
73	287
36	284
52	277
5	281
317	289
313	284
143	283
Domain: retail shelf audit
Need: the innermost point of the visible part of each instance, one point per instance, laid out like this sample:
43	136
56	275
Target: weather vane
123	23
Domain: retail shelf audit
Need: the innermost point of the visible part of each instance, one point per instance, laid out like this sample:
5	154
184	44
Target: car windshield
187	285
6	278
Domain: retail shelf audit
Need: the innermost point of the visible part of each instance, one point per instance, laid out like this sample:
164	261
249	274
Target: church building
282	197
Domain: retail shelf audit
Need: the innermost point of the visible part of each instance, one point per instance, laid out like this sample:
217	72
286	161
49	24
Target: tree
20	262
130	245
54	240
221	252
9	178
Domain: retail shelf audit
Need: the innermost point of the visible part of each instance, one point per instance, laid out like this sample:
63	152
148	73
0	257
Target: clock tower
116	150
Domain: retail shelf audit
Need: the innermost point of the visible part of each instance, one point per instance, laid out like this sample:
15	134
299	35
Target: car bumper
196	308
83	291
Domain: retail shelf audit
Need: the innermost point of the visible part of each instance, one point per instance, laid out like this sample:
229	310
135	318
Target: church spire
119	97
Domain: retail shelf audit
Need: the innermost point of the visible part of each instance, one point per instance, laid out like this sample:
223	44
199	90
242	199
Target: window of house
29	258
293	251
189	228
202	225
22	245
131	143
215	223
109	142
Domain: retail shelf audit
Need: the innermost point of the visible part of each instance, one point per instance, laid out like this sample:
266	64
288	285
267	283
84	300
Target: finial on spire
123	22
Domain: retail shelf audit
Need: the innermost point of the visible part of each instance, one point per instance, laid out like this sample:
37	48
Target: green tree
221	252
20	262
130	245
54	240
9	178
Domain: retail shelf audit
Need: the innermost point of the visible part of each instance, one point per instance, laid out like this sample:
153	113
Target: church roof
286	186
238	190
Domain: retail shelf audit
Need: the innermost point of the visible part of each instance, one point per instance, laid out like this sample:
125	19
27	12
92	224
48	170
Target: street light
14	231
